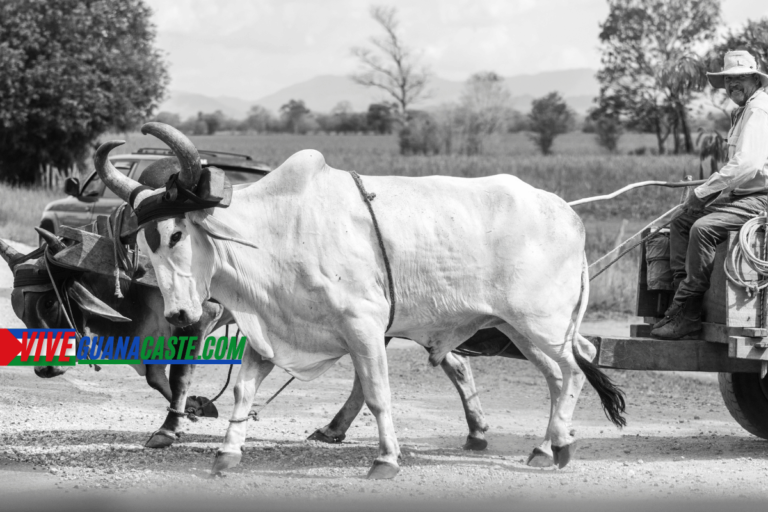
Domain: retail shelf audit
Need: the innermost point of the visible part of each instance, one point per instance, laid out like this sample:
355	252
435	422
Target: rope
367	198
745	250
637	185
255	414
114	228
190	413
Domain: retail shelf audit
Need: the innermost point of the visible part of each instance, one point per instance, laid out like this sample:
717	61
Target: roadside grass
21	209
578	169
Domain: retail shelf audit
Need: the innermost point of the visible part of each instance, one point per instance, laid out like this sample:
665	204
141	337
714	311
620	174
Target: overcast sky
252	48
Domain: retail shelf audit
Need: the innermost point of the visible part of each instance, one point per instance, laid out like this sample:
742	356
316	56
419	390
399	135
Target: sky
251	48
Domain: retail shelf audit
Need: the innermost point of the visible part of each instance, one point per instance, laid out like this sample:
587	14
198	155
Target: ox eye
175	238
49	303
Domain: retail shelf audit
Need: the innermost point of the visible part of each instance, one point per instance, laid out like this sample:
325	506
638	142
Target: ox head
168	242
36	303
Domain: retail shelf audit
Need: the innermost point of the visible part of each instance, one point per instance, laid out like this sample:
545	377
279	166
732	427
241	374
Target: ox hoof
540	459
319	435
160	439
225	460
475	444
383	470
562	455
201	407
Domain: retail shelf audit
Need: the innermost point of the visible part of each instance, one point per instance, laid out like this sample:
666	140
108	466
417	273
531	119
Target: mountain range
320	94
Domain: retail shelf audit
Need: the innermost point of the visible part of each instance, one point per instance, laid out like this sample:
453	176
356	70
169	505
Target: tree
214	121
168	118
390	65
649	69
483	107
549	117
379	117
294	113
258	119
71	71
607	129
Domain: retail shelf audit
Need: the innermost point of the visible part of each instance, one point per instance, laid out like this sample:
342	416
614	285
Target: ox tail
611	396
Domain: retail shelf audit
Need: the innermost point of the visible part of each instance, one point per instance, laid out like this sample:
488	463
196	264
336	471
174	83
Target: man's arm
750	157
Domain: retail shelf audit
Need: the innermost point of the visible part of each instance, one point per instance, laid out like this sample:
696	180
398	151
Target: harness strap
21	258
367	198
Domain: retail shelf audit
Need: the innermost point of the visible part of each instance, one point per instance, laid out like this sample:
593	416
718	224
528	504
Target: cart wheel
746	398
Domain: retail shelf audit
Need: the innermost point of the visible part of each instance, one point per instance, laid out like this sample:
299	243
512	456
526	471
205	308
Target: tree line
73	70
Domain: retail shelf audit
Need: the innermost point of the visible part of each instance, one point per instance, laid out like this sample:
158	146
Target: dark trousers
694	237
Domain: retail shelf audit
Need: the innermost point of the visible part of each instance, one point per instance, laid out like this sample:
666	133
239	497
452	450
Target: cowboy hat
738	62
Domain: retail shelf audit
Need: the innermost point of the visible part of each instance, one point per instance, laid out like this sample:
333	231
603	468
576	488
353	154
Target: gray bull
38	307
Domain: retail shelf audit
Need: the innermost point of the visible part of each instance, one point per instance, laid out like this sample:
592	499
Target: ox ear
95	306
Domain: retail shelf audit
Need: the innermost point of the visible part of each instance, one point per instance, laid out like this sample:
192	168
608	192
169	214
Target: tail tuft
611	396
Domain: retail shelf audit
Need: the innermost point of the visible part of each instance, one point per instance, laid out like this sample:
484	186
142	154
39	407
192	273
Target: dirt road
82	435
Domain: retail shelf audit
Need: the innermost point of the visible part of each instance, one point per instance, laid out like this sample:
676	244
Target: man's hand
694	205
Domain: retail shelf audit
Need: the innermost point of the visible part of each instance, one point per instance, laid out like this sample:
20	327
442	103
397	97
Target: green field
579	168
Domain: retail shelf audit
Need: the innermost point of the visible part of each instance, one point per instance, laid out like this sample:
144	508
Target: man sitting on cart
727	200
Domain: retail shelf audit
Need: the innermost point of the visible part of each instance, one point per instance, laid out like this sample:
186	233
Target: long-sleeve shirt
747	169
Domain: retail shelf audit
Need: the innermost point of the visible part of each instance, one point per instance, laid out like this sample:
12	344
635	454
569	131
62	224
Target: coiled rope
746	250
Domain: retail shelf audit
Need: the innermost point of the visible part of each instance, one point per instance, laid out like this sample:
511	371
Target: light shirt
747	169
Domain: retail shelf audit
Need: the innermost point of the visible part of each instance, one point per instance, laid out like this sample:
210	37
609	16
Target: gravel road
82	435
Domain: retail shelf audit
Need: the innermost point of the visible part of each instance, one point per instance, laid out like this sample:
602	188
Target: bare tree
483	107
390	65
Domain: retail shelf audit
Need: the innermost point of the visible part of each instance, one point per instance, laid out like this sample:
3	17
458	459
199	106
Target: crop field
579	168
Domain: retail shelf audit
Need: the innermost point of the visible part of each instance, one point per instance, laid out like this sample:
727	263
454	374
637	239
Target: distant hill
188	104
322	93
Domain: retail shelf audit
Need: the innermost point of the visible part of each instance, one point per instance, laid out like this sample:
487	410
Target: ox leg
457	369
559	430
181	378
336	430
252	372
541	456
370	361
157	380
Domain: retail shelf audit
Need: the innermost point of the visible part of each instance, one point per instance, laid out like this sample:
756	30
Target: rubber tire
746	398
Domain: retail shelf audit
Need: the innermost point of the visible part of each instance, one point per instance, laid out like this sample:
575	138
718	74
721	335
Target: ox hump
294	175
305	161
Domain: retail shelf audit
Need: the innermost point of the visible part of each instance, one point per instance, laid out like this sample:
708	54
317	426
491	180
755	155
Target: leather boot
686	321
669	314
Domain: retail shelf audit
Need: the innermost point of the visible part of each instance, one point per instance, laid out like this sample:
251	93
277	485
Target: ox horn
182	147
52	240
8	253
117	182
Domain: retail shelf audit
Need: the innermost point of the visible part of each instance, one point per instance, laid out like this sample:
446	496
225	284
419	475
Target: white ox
296	260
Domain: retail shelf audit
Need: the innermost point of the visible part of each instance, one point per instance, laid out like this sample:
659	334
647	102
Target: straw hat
738	62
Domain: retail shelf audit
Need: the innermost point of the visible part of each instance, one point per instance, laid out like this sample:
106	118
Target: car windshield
95	187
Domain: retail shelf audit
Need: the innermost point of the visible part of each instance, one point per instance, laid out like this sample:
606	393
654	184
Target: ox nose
180	318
